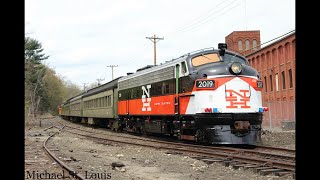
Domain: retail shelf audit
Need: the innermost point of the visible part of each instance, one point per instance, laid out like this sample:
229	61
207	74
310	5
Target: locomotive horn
222	48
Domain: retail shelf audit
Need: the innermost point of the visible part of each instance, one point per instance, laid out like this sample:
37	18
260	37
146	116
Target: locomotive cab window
234	58
205	59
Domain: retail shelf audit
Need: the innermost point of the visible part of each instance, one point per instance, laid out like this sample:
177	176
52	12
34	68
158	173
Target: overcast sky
83	37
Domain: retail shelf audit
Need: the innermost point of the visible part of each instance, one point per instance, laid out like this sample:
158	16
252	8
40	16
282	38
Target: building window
254	44
247	45
271	88
240	44
265	82
290	79
277	82
283	80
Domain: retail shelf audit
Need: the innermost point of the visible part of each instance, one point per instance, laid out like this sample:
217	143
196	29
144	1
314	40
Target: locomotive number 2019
205	84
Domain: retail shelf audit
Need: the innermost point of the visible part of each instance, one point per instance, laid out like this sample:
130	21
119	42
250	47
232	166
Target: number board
205	84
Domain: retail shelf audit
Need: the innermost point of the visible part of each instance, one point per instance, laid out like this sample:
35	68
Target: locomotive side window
184	70
205	59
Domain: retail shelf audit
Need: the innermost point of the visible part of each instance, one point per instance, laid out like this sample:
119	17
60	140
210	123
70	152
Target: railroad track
71	171
262	159
40	160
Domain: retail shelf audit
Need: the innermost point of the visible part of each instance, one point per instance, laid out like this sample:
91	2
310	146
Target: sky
84	37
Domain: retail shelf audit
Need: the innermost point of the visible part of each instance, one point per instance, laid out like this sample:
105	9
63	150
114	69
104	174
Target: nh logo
238	99
146	98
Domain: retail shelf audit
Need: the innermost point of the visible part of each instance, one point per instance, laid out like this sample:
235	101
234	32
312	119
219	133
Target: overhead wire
200	17
205	19
228	10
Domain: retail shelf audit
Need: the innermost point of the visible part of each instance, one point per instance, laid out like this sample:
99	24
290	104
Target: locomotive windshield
214	57
234	58
205	59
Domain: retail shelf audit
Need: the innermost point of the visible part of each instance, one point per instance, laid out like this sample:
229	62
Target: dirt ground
279	138
95	160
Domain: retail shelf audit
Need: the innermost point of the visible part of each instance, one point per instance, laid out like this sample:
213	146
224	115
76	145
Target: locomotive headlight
236	68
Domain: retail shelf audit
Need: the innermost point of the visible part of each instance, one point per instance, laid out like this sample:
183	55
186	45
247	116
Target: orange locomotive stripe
159	105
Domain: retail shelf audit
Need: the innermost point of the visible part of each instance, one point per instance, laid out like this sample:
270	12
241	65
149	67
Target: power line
154	39
204	20
200	17
195	27
112	66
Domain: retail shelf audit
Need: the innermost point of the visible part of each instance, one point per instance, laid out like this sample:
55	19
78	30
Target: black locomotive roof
109	85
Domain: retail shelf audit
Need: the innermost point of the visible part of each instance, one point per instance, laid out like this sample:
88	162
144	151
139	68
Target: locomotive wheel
200	136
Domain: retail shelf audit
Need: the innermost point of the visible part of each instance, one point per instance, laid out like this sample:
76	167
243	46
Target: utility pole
112	69
154	39
99	81
84	86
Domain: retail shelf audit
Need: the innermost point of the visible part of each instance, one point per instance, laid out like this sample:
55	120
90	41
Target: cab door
176	97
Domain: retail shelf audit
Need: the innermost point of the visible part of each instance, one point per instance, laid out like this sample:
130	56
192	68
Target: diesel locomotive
209	96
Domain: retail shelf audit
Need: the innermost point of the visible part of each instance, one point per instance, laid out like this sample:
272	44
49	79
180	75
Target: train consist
209	96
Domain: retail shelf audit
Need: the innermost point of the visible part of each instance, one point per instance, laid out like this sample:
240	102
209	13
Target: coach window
109	101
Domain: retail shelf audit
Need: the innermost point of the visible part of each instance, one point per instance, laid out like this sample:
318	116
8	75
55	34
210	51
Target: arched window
240	45
254	44
247	44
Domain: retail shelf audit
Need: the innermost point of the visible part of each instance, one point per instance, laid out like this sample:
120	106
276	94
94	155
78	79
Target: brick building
275	63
